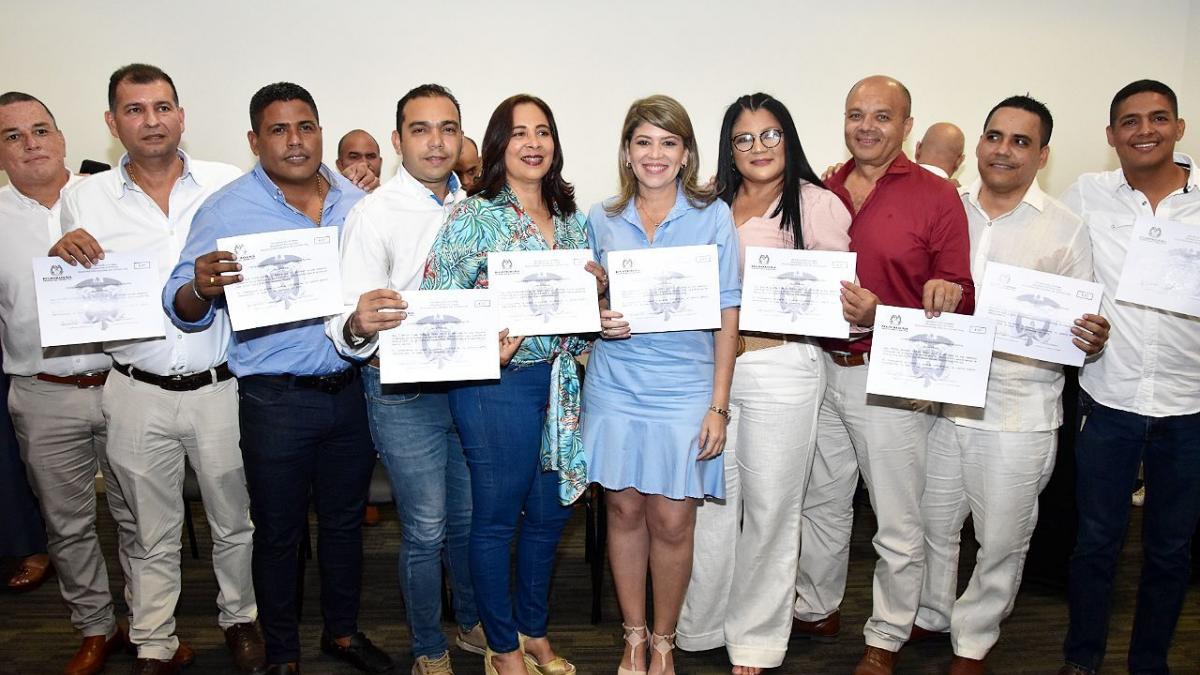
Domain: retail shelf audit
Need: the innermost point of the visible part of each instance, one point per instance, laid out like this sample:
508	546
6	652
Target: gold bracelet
720	411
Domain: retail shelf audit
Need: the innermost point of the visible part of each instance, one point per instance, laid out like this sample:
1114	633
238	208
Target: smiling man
910	233
1140	397
993	462
169	400
386	239
303	420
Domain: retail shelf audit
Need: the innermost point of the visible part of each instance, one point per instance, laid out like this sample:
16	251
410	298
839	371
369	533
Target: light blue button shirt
251	204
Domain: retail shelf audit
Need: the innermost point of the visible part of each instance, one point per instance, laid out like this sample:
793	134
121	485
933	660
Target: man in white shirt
55	392
385	241
992	462
168	400
940	150
1140	398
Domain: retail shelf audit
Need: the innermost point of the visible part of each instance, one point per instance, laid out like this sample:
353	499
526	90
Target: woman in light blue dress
655	406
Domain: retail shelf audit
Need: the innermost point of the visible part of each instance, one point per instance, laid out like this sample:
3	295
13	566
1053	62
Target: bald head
942	147
882	84
359	146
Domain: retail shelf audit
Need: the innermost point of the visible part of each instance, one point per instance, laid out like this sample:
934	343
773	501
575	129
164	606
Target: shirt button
178	337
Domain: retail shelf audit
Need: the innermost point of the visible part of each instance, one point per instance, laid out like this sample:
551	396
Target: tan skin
1010	155
149	124
1144	133
651	531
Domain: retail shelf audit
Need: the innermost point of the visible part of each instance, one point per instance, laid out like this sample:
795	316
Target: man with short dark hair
55	394
358	159
303	419
469	165
1139	398
385	241
992	462
910	233
168	400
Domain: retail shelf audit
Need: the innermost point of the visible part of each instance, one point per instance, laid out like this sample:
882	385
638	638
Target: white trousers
885	438
747	545
60	430
150	432
995	476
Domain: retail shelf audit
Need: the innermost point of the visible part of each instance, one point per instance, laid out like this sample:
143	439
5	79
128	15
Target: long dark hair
556	192
795	164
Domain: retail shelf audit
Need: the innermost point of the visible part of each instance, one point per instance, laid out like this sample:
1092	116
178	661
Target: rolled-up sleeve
365	267
202	238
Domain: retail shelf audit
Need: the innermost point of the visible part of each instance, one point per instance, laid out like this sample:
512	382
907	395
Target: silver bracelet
196	292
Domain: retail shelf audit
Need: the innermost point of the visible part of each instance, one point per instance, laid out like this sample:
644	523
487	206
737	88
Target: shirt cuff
335	327
168	302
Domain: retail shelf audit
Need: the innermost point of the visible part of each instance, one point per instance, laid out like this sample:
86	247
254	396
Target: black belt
329	384
188	382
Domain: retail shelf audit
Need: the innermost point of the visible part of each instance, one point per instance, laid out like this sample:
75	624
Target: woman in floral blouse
521	433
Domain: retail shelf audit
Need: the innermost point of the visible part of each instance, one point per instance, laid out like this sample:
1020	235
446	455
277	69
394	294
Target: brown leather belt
849	360
188	382
83	380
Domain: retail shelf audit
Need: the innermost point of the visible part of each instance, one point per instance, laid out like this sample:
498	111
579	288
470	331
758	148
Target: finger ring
212	281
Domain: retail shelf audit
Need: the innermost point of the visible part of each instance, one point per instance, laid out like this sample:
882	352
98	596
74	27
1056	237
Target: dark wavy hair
557	193
795	164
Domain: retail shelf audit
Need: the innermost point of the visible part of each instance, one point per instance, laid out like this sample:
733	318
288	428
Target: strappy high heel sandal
558	666
635	636
663	644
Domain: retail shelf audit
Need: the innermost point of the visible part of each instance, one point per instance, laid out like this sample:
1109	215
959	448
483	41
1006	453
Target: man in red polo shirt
910	233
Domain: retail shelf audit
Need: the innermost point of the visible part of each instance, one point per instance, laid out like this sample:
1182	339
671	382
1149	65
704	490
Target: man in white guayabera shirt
1140	398
992	462
385	241
55	392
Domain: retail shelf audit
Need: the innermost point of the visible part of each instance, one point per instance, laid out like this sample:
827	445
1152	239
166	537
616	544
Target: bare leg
672	525
628	554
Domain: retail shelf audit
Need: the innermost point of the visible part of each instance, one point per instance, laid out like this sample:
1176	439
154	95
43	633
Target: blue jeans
300	444
417	441
22	532
500	423
1108	450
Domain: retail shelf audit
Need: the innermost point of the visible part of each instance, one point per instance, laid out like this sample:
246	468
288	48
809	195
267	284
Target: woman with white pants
748	545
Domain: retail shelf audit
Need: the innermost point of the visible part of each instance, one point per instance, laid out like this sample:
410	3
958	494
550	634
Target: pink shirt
825	225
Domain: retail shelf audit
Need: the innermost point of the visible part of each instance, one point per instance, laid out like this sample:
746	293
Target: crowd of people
729	459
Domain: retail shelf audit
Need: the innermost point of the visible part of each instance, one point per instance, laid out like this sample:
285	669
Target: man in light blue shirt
303	419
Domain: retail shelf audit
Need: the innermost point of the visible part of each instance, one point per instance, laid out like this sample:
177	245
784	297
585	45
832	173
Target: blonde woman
656	406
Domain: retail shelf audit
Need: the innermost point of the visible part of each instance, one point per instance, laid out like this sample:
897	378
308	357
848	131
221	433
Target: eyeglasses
769	138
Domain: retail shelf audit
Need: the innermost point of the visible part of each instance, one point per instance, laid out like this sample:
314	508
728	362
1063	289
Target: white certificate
944	359
447	336
666	289
118	298
287	276
797	292
1035	311
544	292
1162	266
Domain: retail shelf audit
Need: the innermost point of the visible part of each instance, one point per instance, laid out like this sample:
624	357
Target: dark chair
595	543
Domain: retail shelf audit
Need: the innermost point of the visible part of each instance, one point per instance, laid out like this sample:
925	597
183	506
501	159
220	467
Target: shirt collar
902	164
29	202
1034	196
681	206
1183	160
260	174
936	170
125	184
406	182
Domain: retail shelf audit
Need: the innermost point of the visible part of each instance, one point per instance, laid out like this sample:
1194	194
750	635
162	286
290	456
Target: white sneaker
473	640
1139	496
433	666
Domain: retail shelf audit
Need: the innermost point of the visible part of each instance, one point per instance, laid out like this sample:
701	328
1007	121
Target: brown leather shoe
919	634
184	656
154	667
94	651
876	661
961	665
31	573
1072	669
821	630
246	647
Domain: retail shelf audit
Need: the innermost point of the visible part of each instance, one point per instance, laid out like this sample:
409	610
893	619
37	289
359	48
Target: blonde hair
669	115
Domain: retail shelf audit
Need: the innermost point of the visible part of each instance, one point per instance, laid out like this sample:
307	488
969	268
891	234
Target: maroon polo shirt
912	228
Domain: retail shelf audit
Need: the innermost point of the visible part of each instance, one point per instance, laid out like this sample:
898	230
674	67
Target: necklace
648	218
321	196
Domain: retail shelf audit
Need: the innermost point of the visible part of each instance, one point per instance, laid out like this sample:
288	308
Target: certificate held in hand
118	298
447	336
659	290
795	291
544	292
287	276
1035	311
1162	266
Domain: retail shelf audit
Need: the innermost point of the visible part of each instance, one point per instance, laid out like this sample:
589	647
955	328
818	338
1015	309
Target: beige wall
589	60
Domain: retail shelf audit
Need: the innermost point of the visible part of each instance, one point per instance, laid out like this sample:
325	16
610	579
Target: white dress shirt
1041	234
936	170
114	210
385	240
27	230
1151	365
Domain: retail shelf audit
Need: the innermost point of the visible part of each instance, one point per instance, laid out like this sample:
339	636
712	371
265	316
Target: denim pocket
399	398
258	395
